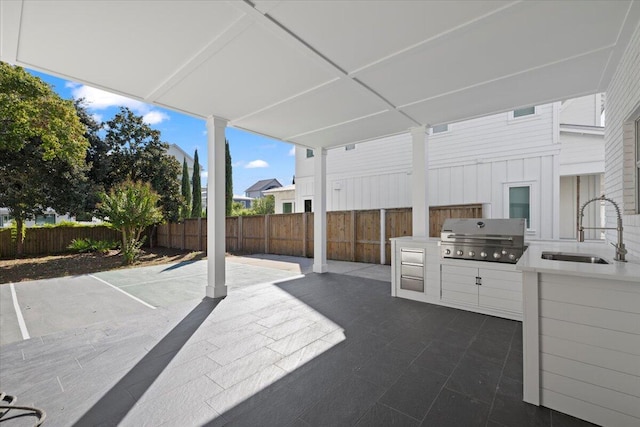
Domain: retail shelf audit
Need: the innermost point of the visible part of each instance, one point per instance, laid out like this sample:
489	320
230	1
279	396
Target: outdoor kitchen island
581	333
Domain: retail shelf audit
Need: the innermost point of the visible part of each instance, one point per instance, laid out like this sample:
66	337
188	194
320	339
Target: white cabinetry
490	288
419	273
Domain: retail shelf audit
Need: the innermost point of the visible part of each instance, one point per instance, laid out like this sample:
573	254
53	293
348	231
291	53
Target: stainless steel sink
564	256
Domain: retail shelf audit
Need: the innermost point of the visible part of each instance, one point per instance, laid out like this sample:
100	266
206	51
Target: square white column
320	211
419	175
216	280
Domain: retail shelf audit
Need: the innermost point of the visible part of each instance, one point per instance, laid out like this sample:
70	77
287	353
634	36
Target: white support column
419	174
320	211
216	280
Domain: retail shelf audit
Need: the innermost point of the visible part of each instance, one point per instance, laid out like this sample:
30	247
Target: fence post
354	235
304	234
266	234
200	234
240	232
383	232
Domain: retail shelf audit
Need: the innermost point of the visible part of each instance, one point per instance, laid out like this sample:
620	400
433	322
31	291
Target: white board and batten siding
473	162
622	106
590	348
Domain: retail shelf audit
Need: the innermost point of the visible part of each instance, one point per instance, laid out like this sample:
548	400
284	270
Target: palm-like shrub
131	207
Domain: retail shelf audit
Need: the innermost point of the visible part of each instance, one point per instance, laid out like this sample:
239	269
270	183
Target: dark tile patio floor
323	350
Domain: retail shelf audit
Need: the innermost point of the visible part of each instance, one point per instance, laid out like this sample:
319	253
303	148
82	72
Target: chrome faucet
620	249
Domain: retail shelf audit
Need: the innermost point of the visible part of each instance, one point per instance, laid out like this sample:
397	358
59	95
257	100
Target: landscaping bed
49	266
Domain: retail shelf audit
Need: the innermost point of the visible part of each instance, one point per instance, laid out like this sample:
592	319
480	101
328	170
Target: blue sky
253	157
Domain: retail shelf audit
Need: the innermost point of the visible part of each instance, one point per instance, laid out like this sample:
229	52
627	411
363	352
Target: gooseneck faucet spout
620	249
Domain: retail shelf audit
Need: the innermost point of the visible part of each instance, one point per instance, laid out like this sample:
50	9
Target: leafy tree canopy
42	148
136	152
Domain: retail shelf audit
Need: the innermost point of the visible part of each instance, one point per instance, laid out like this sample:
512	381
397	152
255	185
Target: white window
440	128
522	112
519	203
350	147
309	152
287	207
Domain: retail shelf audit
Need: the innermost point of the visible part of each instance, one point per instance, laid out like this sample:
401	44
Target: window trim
432	131
533	196
513	119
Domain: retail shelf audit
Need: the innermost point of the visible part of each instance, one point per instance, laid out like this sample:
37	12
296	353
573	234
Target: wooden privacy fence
351	235
360	236
49	240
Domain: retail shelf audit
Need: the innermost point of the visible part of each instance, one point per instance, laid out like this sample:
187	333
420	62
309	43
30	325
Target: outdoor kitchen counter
581	333
532	261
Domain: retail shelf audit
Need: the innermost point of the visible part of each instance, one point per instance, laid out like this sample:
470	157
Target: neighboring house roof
240	198
264	184
291	187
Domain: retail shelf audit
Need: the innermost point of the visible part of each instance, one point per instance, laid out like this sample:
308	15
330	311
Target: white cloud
257	164
292	151
154	117
97	99
97	117
237	164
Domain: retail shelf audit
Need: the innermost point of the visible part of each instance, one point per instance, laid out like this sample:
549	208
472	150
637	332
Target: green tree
131	207
228	177
97	159
264	205
137	153
186	189
196	206
42	149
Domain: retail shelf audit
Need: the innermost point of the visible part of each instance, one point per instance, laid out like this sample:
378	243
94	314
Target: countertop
532	260
417	239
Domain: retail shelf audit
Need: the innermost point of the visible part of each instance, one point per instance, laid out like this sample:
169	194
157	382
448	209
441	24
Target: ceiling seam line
291	98
344	74
366	116
420	44
506	76
198	59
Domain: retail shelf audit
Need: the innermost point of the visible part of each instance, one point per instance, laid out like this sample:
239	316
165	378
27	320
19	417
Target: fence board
285	234
437	215
368	236
231	235
50	240
339	232
253	234
398	223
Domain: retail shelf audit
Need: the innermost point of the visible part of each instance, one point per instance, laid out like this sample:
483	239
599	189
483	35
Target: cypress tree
196	206
186	189
228	179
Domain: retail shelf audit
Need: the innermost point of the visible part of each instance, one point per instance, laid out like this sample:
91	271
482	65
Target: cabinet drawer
415	256
412	270
412	284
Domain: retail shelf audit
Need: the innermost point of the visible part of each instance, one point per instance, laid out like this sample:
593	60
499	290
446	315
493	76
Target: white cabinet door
500	289
459	284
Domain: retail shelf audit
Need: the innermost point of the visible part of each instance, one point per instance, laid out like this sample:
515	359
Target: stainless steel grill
483	239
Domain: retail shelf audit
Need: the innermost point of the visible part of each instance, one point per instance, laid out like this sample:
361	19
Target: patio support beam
216	280
320	211
419	174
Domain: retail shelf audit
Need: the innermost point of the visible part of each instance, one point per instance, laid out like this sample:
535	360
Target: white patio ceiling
325	73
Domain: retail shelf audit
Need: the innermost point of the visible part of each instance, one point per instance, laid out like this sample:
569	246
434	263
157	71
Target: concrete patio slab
318	350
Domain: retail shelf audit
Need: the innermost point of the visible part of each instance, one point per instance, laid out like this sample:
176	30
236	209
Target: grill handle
466	236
